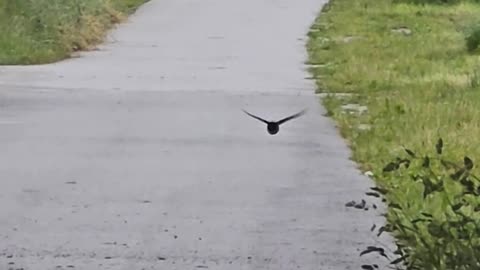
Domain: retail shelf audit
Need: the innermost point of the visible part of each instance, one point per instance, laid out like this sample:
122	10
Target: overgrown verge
43	31
436	217
412	69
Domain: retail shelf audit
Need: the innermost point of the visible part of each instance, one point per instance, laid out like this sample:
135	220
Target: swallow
274	126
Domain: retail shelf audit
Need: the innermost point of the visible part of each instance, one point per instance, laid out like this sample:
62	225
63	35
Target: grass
44	31
419	83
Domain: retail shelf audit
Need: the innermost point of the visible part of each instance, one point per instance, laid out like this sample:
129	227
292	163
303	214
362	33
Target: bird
274	126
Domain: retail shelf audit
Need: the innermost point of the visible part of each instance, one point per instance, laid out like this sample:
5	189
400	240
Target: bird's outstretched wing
256	117
292	117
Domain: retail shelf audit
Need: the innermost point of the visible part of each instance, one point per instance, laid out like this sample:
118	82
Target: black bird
274	127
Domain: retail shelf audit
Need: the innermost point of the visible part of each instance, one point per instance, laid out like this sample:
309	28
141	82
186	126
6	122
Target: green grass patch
416	68
43	31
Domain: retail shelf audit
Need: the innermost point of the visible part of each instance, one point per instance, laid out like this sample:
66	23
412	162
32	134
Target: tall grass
42	31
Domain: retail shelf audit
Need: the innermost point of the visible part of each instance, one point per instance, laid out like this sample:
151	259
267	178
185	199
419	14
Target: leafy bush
436	221
472	39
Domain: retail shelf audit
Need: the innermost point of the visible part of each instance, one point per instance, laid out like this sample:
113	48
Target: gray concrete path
138	156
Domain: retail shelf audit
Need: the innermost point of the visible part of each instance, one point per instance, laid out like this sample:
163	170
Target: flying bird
274	126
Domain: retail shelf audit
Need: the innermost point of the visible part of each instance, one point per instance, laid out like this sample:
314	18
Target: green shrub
436	219
472	39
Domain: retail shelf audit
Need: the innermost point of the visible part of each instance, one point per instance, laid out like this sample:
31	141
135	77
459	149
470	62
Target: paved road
138	156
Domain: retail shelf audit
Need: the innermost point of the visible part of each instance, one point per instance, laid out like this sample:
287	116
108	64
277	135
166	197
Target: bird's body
274	126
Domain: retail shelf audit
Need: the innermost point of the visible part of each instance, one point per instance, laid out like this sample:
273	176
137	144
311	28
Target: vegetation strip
412	69
44	31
